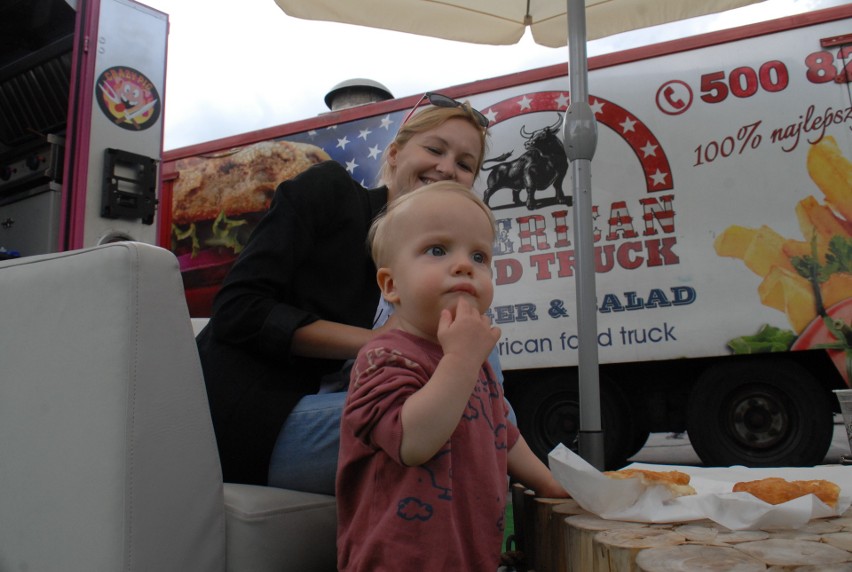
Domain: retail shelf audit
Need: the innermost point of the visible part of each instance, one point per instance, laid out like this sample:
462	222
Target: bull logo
543	164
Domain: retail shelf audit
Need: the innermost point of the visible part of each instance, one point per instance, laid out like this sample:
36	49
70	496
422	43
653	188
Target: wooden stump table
565	538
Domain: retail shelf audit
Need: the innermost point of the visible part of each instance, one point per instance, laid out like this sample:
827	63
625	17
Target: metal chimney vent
358	91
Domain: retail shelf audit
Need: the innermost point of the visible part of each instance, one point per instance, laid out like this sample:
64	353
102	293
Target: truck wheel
759	414
548	413
638	437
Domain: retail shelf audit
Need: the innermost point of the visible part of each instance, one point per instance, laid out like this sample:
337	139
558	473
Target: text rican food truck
722	193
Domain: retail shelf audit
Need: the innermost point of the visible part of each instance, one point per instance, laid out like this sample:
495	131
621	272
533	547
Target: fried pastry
676	481
775	490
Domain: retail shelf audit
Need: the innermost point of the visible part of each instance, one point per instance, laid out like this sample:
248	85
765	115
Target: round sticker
128	98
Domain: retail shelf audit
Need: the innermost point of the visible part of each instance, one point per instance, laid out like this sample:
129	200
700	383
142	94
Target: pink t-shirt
446	514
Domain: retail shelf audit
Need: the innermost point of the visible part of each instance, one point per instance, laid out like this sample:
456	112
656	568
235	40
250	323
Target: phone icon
674	97
675	102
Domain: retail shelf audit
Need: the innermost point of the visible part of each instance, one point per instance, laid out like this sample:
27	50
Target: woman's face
447	152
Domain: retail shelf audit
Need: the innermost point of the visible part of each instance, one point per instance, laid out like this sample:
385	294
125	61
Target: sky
235	67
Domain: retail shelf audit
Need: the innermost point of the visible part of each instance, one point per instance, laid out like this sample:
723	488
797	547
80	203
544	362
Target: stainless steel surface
29	221
31	165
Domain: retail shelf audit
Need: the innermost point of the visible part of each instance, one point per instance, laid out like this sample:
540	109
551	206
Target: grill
36	42
34	94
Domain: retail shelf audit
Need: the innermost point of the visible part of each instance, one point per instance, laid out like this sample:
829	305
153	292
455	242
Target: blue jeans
305	454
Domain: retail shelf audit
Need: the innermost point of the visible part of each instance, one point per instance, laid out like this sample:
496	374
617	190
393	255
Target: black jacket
306	260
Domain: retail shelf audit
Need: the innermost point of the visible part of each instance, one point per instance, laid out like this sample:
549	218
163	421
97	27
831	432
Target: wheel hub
559	423
758	421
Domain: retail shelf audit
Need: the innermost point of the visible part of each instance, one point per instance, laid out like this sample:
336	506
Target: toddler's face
441	251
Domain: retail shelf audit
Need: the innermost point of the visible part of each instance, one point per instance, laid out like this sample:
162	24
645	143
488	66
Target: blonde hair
377	237
427	119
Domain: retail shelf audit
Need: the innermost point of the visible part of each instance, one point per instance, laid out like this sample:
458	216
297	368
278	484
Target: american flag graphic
357	145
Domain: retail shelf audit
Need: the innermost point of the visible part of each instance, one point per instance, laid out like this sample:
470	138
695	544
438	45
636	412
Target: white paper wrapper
628	499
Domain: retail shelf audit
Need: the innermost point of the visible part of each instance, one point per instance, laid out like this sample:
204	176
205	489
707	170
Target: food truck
722	193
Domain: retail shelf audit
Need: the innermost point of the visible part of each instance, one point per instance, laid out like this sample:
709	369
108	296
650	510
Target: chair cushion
272	530
107	453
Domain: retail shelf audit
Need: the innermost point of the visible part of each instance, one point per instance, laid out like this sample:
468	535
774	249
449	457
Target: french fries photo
788	292
803	275
819	221
832	173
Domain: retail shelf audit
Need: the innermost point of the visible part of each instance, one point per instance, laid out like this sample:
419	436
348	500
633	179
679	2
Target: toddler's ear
387	285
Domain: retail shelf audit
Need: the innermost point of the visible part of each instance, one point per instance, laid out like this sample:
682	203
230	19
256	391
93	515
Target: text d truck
722	192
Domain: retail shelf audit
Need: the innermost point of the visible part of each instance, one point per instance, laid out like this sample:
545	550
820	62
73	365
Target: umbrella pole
580	138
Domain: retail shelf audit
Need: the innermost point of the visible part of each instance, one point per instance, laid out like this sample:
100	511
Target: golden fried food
734	241
787	291
775	490
676	481
787	287
760	248
832	173
238	182
816	220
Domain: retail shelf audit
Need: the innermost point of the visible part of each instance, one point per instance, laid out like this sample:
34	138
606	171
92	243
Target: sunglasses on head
439	100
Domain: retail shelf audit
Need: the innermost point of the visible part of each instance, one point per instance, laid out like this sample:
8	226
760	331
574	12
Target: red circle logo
128	98
674	97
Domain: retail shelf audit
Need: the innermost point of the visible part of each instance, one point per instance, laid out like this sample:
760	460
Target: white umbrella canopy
553	23
502	22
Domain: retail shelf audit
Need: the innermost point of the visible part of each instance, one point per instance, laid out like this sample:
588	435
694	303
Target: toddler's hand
467	333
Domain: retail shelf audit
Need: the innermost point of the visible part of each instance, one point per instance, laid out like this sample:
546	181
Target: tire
548	412
639	436
759	413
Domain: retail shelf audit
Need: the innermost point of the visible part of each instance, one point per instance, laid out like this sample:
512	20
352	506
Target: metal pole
580	137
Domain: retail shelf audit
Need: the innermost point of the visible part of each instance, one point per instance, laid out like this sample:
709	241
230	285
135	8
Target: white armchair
108	459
